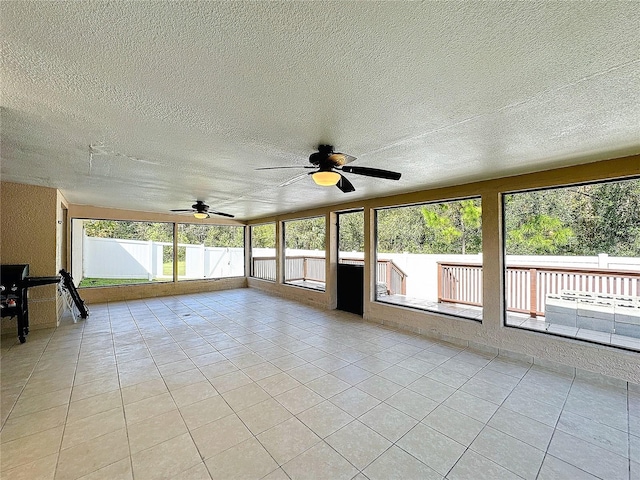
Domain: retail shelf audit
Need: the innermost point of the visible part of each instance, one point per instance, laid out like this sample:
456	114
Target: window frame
251	256
374	275
72	223
244	242
503	236
284	252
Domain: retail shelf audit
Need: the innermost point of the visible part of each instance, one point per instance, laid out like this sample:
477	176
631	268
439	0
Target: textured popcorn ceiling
182	101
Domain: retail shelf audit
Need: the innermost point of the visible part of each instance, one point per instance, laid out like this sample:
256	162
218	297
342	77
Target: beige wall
28	216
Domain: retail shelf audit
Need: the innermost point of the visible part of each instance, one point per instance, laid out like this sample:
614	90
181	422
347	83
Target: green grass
167	268
106	282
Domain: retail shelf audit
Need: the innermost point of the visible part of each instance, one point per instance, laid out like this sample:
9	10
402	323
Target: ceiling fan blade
222	214
345	185
293	179
339	159
290	166
373	172
183	210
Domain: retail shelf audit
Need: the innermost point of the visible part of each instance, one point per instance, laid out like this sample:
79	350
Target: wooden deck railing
304	268
393	277
388	273
313	269
460	283
527	286
264	268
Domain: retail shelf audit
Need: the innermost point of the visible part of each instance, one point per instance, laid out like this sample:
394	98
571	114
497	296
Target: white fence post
158	264
603	260
149	264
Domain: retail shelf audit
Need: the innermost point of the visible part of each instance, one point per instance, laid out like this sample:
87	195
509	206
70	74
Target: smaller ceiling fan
201	210
329	164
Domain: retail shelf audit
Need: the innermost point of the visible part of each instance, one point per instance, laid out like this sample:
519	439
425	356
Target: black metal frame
14	292
68	284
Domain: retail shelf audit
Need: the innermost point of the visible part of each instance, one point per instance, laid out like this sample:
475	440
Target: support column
369	260
492	261
331	265
279	252
175	252
248	252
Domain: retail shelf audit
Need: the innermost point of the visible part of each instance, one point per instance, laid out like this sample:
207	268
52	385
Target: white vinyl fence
118	258
213	262
137	259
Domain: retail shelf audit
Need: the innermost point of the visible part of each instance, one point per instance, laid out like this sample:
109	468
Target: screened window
304	258
263	251
210	251
572	264
351	237
429	257
112	252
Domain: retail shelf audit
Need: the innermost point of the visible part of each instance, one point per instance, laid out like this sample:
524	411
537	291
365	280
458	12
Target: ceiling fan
329	164
201	210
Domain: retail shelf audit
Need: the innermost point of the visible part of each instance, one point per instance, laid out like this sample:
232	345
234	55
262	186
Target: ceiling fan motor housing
200	210
200	206
321	157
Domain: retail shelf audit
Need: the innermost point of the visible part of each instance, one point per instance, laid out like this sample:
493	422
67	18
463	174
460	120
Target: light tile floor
239	384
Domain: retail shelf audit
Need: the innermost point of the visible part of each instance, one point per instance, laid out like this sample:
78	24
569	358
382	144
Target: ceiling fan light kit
200	215
326	178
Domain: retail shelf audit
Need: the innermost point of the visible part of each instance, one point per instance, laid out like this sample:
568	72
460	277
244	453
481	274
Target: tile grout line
168	391
75	371
30	373
196	367
555	427
307	362
467	448
124	410
245	425
255	436
628	428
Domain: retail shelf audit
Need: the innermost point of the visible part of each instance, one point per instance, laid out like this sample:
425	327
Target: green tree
351	232
453	227
608	219
263	236
305	234
127	230
159	232
471	221
400	230
111	229
538	223
539	235
441	233
211	235
577	220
